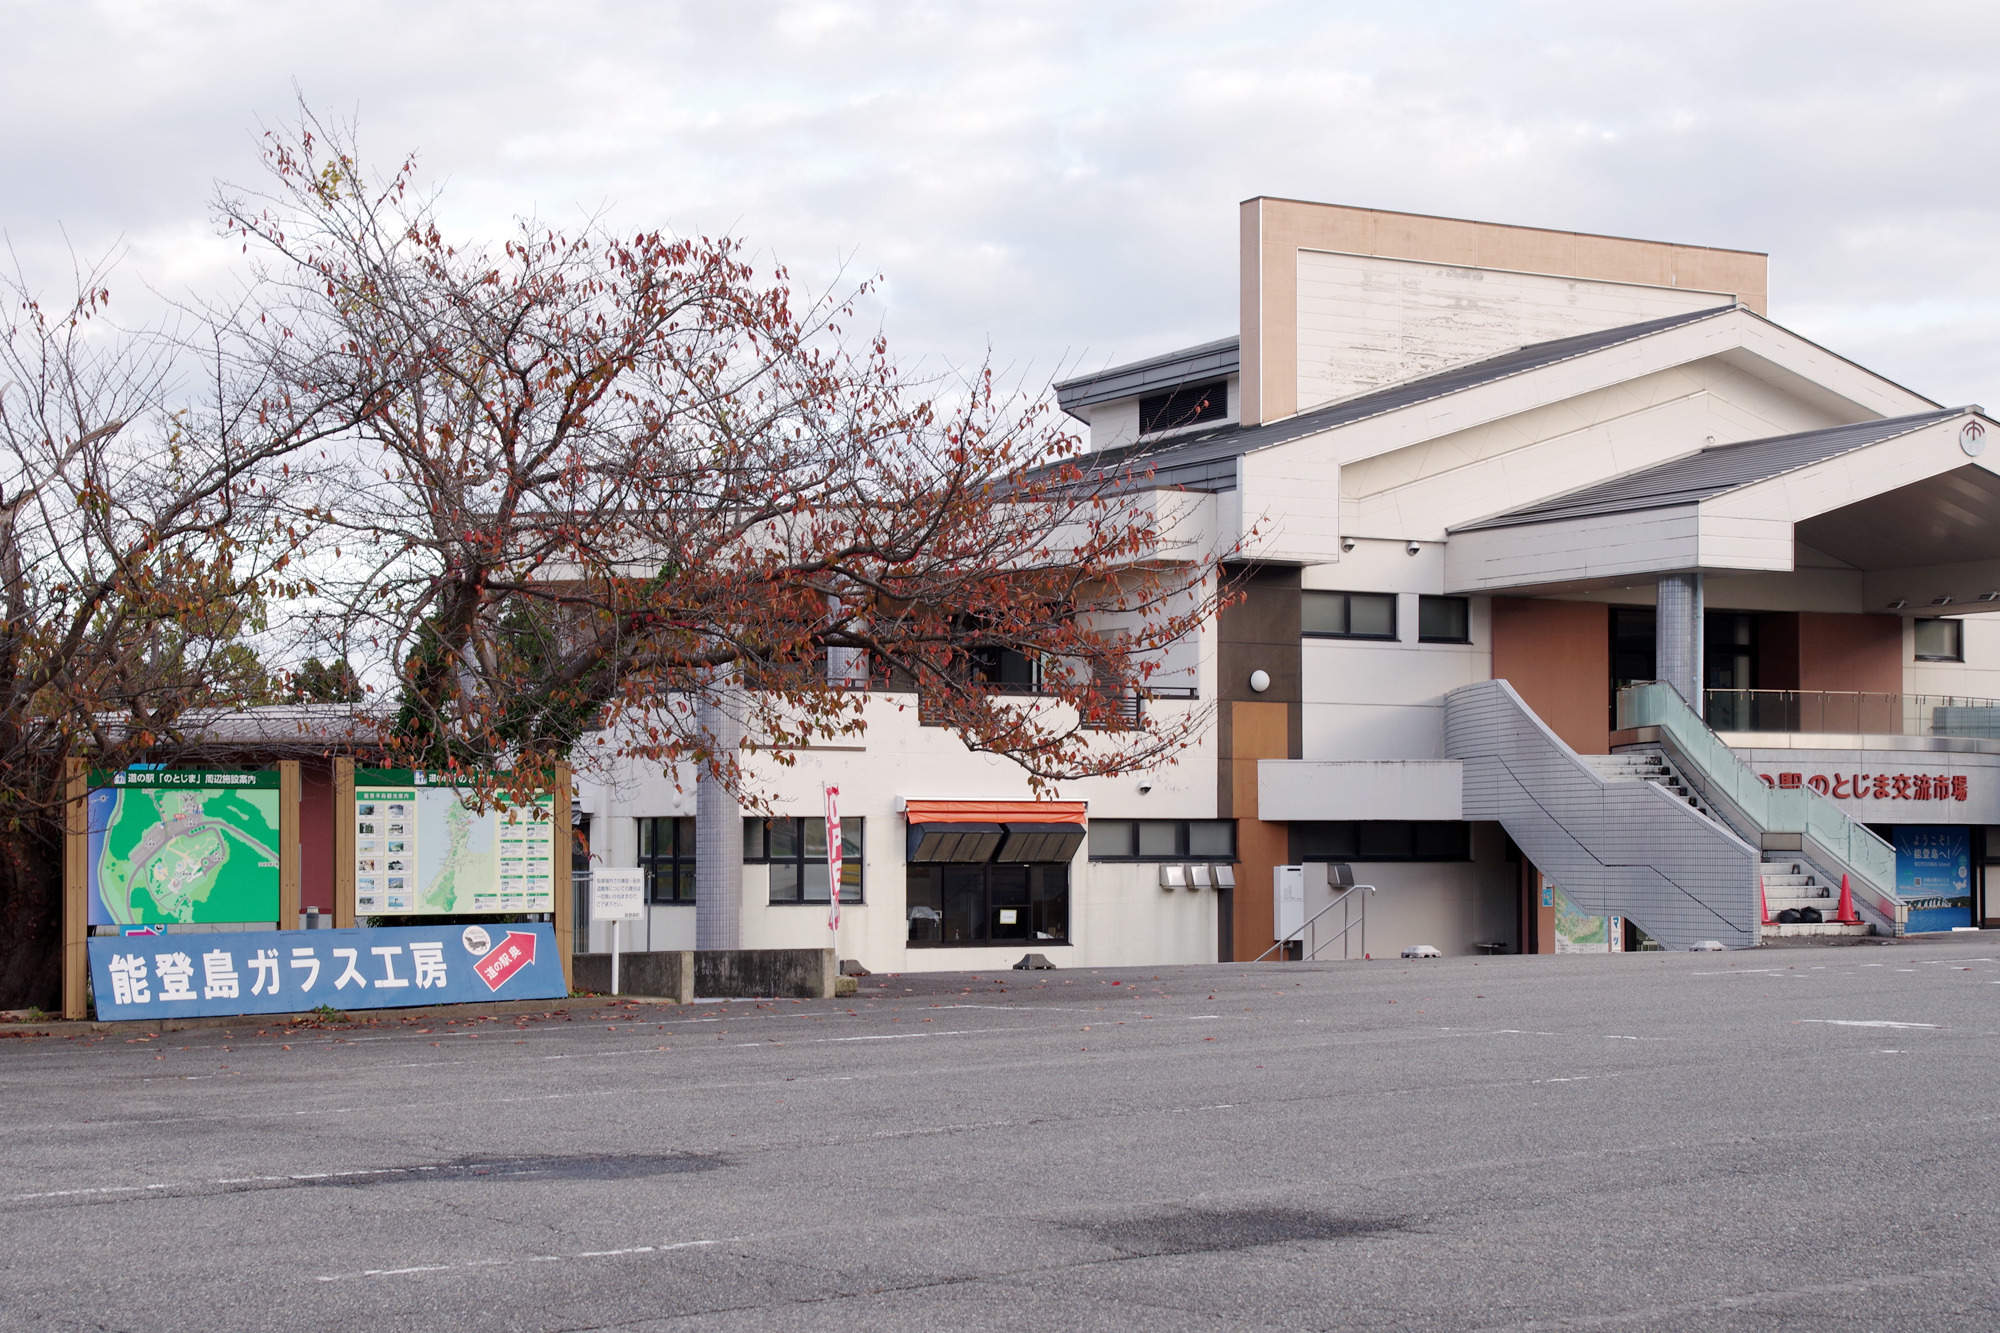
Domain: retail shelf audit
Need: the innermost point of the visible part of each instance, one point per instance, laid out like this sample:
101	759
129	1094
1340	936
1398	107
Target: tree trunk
31	926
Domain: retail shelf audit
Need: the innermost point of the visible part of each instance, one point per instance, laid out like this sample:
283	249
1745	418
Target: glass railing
1853	713
1771	810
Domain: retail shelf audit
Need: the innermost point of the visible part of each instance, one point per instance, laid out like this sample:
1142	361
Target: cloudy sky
1058	181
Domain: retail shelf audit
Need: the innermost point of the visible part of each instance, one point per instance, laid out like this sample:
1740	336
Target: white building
1481	477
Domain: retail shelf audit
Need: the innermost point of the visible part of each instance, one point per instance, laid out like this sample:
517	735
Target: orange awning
997	812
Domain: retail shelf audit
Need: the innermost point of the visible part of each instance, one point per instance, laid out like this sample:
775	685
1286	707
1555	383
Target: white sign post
615	896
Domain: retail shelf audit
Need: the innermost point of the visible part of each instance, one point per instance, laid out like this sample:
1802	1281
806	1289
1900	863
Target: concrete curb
355	1017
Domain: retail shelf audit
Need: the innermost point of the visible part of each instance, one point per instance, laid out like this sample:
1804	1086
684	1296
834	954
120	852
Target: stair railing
1310	923
1850	847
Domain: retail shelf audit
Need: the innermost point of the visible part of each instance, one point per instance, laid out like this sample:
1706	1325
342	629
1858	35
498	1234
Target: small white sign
617	895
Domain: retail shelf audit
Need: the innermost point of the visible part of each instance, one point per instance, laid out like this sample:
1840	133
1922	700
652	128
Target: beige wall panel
1273	231
1365	321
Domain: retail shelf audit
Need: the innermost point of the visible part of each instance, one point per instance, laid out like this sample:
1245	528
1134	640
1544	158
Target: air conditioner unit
1288	895
1173	877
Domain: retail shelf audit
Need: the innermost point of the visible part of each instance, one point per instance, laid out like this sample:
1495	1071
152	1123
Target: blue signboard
289	971
1934	875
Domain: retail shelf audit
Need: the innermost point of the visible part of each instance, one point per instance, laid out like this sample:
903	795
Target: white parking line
533	1259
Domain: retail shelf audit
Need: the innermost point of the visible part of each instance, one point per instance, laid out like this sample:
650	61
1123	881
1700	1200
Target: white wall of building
1450	905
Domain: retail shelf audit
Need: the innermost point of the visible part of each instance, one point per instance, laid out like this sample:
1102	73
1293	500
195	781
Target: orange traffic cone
1846	916
1763	907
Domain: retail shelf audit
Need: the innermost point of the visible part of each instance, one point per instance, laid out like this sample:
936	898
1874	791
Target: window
1940	641
1163	840
795	849
994	903
1381	840
1444	620
1183	407
1348	615
666	854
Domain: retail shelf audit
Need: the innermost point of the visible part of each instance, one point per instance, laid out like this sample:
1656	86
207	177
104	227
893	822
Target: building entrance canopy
1909	503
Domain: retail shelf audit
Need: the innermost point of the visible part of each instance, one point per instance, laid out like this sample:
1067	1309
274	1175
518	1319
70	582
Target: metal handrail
1307	924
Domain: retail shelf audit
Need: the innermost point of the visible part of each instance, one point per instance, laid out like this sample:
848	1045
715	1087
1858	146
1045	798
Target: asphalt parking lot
1794	1138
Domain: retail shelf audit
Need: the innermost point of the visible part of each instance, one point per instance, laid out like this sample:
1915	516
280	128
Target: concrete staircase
1791	883
1646	766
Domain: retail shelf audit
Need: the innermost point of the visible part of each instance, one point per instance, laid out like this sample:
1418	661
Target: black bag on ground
1789	917
1810	915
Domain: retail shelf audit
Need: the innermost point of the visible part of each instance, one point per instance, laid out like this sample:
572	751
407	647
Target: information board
182	848
420	848
617	895
291	971
1934	875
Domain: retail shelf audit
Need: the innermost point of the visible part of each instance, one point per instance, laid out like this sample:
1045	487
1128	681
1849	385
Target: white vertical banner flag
833	856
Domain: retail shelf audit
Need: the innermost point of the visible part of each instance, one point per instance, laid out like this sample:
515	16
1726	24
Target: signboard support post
343	844
565	909
76	887
617	896
288	844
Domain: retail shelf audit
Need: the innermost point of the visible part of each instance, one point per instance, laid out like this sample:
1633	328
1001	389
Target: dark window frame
1187	405
1957	639
674	861
1394	635
1183	840
1369	841
1465	607
757	843
1034	892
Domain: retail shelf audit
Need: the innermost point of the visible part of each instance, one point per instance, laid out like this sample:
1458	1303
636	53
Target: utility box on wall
1288	899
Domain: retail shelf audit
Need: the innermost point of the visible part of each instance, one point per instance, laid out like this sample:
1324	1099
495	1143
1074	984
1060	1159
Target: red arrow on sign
508	957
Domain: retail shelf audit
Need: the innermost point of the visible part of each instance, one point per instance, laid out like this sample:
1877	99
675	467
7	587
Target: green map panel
184	854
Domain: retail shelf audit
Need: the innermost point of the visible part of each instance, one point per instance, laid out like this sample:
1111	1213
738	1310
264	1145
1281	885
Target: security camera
1145	785
1413	548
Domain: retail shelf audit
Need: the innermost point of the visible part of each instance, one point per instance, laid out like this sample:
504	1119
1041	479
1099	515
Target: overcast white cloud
1059	181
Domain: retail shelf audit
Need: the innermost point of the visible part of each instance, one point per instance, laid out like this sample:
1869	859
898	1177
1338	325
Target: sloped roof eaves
1206	361
1235	440
1711	472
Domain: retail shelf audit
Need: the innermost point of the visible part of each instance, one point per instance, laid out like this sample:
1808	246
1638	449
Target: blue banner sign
289	971
1934	875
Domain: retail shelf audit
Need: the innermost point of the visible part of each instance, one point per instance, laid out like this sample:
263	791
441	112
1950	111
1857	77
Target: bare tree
602	474
140	545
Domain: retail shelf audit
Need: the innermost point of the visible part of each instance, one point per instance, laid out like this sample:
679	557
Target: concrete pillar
718	832
1677	636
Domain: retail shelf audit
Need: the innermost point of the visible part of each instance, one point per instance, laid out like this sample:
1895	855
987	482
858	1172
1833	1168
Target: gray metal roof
1190	365
1725	467
1206	460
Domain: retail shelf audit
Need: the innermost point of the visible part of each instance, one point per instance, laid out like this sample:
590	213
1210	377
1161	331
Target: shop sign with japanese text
289	971
1875	786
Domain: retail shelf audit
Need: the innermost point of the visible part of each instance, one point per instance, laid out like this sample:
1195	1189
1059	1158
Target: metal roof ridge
1148	362
1551	509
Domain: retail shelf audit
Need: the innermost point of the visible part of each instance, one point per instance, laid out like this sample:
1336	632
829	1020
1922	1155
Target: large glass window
795	849
992	903
1444	620
1940	640
666	854
1348	615
1163	840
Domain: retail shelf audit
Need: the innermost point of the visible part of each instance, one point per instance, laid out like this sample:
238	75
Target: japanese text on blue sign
270	971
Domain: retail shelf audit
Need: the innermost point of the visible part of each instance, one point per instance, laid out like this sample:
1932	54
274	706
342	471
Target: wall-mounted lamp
1940	601
1413	548
1347	543
1989	596
1898	604
1260	680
